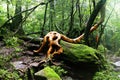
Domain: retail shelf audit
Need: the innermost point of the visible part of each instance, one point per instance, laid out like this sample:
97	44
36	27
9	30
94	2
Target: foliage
6	59
6	75
5	65
2	61
59	70
111	36
12	42
118	52
106	75
101	49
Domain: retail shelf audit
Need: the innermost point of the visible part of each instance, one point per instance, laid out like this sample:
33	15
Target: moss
49	73
79	52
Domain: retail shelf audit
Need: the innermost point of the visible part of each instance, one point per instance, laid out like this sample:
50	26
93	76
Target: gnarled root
51	43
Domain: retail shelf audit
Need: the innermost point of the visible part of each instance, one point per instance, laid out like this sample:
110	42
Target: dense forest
59	40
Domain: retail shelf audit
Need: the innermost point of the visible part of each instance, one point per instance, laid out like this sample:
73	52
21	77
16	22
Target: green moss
51	75
79	52
48	73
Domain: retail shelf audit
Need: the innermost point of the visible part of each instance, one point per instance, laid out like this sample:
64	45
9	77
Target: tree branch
42	3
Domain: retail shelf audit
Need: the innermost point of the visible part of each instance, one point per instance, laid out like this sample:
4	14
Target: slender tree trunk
92	18
8	16
52	15
16	22
63	15
79	13
71	23
43	26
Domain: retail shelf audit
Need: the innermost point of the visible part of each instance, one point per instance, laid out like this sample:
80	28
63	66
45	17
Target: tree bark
95	12
18	19
51	15
43	26
71	23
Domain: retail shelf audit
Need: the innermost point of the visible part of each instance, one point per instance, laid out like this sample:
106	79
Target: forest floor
24	59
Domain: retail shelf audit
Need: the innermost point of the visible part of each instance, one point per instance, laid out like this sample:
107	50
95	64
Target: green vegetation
13	42
7	75
50	74
106	75
35	18
59	70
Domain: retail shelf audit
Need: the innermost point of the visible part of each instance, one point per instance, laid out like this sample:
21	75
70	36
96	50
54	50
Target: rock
47	73
35	64
119	76
79	53
117	64
19	65
67	78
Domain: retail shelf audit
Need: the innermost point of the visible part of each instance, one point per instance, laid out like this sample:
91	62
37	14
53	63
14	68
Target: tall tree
93	15
43	26
51	15
71	23
16	22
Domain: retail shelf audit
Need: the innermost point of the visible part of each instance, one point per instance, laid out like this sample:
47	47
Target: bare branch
42	3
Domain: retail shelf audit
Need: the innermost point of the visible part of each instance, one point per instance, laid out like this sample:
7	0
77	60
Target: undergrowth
107	75
7	75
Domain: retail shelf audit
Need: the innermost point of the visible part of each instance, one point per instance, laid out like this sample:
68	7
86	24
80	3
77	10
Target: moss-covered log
79	53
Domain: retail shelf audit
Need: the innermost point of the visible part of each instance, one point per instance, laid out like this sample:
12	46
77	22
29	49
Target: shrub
106	75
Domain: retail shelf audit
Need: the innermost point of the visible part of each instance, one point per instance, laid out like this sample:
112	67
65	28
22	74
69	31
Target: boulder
82	54
47	74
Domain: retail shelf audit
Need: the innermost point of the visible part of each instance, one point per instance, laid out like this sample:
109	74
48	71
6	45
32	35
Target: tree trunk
51	15
8	16
92	18
16	22
43	26
71	23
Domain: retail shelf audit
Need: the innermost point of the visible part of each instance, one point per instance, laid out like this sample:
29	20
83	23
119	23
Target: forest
59	40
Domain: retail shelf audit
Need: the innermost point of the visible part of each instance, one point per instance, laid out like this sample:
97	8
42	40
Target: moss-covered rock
47	73
80	53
